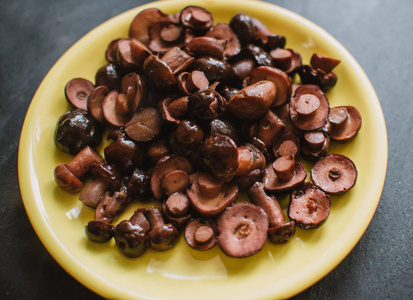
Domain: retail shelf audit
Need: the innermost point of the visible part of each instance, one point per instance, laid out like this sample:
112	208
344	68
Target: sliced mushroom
223	31
279	231
77	91
164	36
144	20
309	108
274	181
287	60
309	206
145	125
269	128
242	230
162	236
334	173
177	60
95	102
216	70
253	102
315	144
112	51
288	144
249	159
196	18
105	178
139	52
176	209
131	235
158	73
165	165
200	233
344	123
134	87
115	109
208	196
279	78
192	82
175	181
207	46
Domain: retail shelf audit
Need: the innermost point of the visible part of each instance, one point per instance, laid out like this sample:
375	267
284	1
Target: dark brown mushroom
279	231
124	153
134	86
205	105
288	144
175	181
165	165
157	149
223	31
109	75
279	78
139	52
95	102
242	25
287	60
249	159
309	108
246	181
275	183
207	46
256	53
112	51
69	176
105	178
189	134
176	209
269	128
138	185
243	68
200	233
334	173
315	144
196	18
216	70
159	73
77	91
177	60
144	20
192	82
242	230
327	64
145	125
131	235
309	206
226	127
162	236
99	231
208	196
253	102
220	155
164	36
271	42
344	123
115	109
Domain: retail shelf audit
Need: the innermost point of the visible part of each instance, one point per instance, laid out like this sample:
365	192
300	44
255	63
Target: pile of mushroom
198	113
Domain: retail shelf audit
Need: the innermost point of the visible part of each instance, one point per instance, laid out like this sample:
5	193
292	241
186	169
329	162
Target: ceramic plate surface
278	271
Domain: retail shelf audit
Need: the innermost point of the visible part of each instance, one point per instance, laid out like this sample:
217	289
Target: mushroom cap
242	230
287	60
282	233
305	94
131	239
347	131
223	31
145	125
286	145
165	165
334	173
206	240
77	91
208	205
196	18
66	179
273	184
309	206
95	101
99	231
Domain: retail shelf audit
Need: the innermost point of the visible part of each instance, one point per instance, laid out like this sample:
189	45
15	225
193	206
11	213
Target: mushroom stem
279	231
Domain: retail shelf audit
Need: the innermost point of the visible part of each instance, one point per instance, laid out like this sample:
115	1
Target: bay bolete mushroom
309	108
334	173
77	91
162	236
131	235
344	123
242	230
109	75
279	231
200	233
309	206
144	125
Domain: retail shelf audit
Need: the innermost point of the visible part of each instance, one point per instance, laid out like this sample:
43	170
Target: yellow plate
278	271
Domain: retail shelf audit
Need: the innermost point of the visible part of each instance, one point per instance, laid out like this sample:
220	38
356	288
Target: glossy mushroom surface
200	233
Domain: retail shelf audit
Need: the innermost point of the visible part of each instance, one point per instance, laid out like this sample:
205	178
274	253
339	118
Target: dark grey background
378	33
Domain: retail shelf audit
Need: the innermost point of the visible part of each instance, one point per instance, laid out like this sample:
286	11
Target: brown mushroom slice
111	206
327	64
279	231
200	233
110	110
207	46
211	206
177	60
274	184
125	57
177	210
315	144
223	31
269	128
252	102
175	181
112	51
139	52
220	155
192	82
145	125
309	206
165	165
242	230
309	108
144	20
164	36
287	60
66	180
82	162
95	102
249	159
216	70
243	68
156	149
196	18
134	87
172	109
288	144
77	92
158	73
279	78
345	123
334	173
